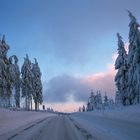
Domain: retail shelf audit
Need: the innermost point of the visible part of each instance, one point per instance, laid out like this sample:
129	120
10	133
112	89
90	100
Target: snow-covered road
121	124
59	127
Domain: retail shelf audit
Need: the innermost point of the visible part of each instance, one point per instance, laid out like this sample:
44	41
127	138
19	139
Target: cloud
69	88
66	88
103	81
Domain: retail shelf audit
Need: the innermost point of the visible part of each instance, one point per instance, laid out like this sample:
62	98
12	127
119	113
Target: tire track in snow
53	128
60	128
27	128
84	132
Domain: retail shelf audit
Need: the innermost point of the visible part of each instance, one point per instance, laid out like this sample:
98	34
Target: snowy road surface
110	125
51	128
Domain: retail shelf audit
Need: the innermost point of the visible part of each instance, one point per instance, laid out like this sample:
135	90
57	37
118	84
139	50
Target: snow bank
11	120
121	123
127	113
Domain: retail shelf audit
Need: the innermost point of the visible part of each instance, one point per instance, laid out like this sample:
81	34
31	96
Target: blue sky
76	37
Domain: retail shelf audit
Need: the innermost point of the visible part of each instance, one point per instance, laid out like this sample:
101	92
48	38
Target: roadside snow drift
11	120
116	124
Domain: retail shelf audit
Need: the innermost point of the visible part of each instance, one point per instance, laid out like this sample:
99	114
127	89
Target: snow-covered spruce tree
79	110
4	49
94	101
88	106
98	100
17	81
10	78
3	82
105	100
110	103
83	109
27	82
91	102
121	76
37	85
5	74
118	99
134	61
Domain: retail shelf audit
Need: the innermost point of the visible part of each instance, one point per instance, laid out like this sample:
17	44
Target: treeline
13	82
97	102
128	65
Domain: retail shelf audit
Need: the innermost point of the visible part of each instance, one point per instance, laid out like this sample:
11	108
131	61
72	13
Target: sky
74	42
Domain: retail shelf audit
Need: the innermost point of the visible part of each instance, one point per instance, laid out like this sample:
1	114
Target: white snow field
117	124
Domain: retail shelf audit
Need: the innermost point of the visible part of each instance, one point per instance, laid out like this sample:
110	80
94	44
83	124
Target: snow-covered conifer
5	74
83	109
27	81
37	85
95	101
121	76
105	100
98	100
134	61
17	81
91	101
80	110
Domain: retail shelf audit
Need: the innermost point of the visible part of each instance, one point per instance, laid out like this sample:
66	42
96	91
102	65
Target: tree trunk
26	103
35	105
31	104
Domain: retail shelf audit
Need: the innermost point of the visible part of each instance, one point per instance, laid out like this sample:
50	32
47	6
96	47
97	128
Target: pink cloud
104	81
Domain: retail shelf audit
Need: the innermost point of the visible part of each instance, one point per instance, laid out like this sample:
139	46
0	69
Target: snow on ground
129	113
12	120
121	123
56	128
